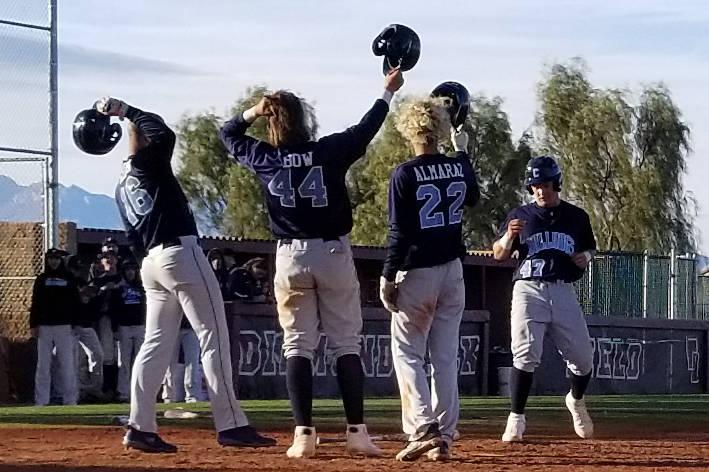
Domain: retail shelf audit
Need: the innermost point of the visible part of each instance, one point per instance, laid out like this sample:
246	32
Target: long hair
423	120
291	121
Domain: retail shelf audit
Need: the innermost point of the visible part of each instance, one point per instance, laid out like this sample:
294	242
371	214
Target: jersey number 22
429	192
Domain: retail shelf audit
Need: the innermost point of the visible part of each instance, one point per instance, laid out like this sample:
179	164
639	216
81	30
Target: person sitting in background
55	300
110	300
230	267
85	334
190	375
249	283
216	262
129	320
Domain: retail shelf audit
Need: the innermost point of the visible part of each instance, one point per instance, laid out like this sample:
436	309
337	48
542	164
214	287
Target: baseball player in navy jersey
422	281
555	244
176	278
303	181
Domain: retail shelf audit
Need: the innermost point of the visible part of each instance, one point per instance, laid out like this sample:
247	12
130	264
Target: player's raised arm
351	144
244	149
149	128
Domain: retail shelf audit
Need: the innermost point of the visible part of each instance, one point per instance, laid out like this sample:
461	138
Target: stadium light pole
52	200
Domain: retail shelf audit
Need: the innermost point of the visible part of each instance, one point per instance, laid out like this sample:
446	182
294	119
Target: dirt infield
98	449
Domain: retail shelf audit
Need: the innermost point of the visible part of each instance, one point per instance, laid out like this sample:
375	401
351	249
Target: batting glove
459	138
111	106
388	294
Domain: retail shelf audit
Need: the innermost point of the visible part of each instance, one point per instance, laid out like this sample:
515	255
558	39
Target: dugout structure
632	354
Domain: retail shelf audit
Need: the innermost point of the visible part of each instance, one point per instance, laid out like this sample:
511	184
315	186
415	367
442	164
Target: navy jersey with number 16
551	235
152	205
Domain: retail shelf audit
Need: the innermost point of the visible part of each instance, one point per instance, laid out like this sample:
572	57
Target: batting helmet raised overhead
459	101
542	169
94	133
400	46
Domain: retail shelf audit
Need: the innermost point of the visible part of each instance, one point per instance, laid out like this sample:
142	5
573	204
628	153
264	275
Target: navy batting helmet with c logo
542	169
400	46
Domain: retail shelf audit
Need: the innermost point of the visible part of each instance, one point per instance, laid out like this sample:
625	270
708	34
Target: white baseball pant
108	340
61	337
180	277
191	377
540	307
316	286
130	338
88	341
431	301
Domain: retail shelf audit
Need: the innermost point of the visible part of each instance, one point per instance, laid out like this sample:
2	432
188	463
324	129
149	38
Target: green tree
623	163
498	164
226	196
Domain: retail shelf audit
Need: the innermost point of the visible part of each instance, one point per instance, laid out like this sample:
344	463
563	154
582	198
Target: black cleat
244	436
415	449
146	442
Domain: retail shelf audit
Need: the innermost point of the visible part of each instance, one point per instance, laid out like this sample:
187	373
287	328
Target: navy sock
520	385
299	380
350	378
579	384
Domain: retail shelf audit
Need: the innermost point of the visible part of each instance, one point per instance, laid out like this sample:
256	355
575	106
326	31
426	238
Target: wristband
587	255
506	242
387	96
250	115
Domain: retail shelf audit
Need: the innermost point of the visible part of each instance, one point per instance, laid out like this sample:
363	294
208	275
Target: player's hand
459	139
261	108
388	294
34	332
581	259
514	227
394	80
111	107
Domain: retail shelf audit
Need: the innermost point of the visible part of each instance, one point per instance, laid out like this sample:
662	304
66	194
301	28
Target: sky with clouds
177	57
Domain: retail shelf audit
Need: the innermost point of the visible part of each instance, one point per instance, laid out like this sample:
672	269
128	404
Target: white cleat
359	443
303	443
440	454
514	432
582	420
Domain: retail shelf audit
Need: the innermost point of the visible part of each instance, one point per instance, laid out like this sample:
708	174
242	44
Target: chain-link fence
644	286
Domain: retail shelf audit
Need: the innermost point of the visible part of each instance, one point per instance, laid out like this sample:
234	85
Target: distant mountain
87	210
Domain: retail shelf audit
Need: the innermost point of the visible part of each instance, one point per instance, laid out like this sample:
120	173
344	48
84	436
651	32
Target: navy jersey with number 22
426	198
549	238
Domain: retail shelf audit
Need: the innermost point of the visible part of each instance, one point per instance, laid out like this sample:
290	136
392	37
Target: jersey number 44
312	187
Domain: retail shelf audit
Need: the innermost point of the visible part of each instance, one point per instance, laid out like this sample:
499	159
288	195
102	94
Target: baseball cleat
359	443
303	443
146	442
243	436
415	449
582	420
514	432
440	454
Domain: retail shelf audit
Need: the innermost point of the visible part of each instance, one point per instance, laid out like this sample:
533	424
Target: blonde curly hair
423	120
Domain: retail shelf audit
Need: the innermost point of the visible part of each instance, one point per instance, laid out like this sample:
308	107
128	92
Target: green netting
613	286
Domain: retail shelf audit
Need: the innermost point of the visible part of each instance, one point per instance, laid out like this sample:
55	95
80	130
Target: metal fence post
672	281
645	269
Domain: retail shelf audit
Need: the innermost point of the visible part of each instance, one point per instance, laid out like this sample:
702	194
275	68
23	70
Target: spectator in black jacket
129	319
249	283
55	300
230	267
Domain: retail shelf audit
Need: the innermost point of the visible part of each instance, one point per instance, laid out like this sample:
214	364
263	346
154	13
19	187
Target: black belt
326	239
169	243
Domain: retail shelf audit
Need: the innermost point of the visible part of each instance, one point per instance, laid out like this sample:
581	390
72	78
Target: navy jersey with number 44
152	205
549	238
426	198
304	185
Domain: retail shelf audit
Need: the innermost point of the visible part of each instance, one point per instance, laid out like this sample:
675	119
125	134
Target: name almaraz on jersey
550	240
438	171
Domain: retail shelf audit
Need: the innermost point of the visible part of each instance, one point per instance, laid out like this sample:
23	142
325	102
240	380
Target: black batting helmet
400	46
94	133
542	169
459	101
